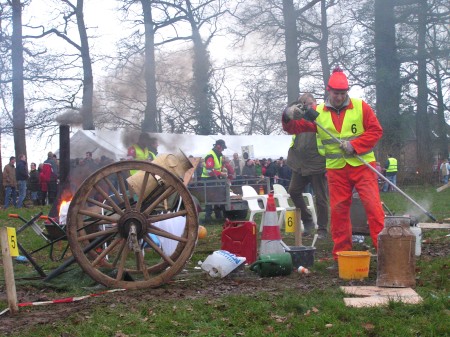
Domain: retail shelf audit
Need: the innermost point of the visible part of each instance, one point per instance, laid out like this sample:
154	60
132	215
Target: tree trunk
323	46
424	155
388	86
442	124
88	79
291	50
151	112
17	80
201	86
2	189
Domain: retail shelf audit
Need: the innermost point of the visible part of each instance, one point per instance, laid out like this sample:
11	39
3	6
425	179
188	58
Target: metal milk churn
396	254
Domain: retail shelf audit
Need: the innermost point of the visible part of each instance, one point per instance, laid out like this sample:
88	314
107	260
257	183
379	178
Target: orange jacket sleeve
294	127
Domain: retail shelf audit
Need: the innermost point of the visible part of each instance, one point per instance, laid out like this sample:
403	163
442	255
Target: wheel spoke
106	251
108	198
124	190
123	259
165	216
161	232
167	193
158	250
115	191
141	264
100	204
119	253
142	191
113	218
98	234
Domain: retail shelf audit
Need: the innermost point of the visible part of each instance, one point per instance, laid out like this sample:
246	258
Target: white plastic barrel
418	233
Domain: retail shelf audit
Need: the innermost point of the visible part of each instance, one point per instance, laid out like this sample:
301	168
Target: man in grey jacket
308	166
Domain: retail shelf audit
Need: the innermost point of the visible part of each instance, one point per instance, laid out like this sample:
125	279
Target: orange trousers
341	183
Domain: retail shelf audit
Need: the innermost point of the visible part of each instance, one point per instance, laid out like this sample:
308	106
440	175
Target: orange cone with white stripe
271	236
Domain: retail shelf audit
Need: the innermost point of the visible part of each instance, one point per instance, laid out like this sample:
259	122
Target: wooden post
298	227
9	272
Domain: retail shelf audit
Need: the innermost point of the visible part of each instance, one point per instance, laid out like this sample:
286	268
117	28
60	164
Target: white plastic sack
174	226
221	263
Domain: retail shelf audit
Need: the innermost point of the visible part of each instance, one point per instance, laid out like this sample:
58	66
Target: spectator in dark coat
271	171
22	178
33	185
284	173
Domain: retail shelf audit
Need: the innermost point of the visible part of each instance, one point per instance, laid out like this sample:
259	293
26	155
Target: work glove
294	112
311	115
347	147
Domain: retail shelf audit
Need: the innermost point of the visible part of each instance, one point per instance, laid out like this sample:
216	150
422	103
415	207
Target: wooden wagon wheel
110	225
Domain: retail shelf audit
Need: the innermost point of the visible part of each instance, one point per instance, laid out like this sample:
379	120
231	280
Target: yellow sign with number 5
12	239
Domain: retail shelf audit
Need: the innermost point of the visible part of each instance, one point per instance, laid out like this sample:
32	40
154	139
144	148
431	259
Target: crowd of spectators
39	184
250	170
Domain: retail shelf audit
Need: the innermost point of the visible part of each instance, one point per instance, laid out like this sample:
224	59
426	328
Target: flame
64	205
63	210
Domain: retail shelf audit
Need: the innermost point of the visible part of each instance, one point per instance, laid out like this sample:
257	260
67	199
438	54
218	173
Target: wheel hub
132	218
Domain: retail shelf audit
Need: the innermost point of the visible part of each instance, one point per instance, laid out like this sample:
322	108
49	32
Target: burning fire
63	209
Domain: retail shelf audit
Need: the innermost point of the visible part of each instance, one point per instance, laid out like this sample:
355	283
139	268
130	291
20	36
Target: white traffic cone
271	236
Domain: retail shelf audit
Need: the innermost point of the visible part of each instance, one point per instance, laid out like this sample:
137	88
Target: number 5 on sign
289	221
12	240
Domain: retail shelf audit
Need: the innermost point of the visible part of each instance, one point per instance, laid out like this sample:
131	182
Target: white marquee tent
111	144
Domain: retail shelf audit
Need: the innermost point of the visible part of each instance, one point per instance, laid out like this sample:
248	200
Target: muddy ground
192	283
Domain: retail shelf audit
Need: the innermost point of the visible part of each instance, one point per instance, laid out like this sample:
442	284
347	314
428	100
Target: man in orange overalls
355	124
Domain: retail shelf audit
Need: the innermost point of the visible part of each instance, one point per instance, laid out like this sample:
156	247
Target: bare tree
172	18
76	10
387	65
18	94
423	133
440	74
151	112
292	68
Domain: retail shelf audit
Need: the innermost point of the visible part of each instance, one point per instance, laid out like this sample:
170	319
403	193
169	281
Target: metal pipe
379	174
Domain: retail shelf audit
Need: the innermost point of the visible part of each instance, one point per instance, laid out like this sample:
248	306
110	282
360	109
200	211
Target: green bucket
269	265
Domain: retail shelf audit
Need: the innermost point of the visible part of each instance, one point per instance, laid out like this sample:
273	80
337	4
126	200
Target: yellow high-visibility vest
292	140
392	165
141	154
352	128
217	164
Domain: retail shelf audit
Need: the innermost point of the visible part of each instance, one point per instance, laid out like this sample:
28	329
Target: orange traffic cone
261	190
271	237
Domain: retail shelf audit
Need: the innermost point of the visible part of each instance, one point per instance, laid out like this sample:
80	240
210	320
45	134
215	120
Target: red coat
44	176
362	144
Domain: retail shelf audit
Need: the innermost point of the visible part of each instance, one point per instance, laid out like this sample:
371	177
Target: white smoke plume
70	117
130	137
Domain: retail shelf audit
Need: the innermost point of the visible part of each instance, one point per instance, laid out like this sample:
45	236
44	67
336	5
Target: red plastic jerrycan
239	238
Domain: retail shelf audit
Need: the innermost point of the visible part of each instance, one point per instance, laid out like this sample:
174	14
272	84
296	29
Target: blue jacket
21	170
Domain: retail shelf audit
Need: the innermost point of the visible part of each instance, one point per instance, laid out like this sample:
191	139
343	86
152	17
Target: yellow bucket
353	265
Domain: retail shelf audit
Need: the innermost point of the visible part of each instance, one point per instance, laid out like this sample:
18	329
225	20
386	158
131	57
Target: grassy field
195	304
